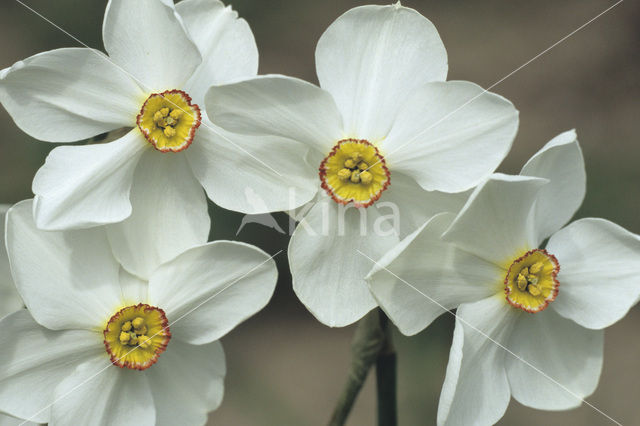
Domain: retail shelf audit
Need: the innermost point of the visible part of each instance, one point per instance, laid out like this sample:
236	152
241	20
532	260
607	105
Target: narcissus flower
100	345
382	129
546	303
161	59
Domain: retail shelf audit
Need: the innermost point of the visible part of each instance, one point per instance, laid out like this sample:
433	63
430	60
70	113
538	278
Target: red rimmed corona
135	336
169	120
532	281
354	172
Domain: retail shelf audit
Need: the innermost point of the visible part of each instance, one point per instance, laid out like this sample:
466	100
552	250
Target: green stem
371	344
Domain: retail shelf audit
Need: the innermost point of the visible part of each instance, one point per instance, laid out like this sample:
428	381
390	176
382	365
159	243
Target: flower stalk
371	345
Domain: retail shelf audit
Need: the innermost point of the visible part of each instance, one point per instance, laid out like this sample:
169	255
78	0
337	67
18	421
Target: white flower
9	299
162	58
86	312
547	306
382	129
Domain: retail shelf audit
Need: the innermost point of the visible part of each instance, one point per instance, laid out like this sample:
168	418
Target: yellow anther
525	271
176	114
366	177
535	291
356	156
126	326
133	340
124	337
355	177
164	111
141	330
157	117
522	282
350	164
137	322
363	166
169	131
344	174
144	341
536	268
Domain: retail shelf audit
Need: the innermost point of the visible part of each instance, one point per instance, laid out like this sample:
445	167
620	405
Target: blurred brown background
284	367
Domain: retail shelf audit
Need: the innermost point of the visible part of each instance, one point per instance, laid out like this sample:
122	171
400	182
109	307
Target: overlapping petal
372	58
148	40
226	43
414	205
279	106
98	393
558	364
330	254
208	290
195	374
35	360
169	214
83	186
449	136
494	224
476	390
560	161
9	299
67	279
252	174
599	270
423	276
66	95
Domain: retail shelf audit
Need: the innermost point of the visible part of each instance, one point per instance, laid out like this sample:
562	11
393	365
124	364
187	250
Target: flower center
136	336
531	283
169	120
354	171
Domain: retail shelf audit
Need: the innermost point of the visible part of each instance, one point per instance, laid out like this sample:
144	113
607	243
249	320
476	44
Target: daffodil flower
161	59
382	129
100	345
530	314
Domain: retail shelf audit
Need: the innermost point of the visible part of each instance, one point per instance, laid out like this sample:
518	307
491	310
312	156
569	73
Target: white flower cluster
126	300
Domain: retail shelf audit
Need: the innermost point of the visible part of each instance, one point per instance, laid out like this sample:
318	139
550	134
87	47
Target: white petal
476	390
450	136
208	290
103	394
599	270
134	290
35	360
6	420
252	174
567	360
279	106
187	382
415	205
83	186
226	43
560	161
495	223
10	300
372	58
423	276
66	95
147	39
169	214
67	279
330	254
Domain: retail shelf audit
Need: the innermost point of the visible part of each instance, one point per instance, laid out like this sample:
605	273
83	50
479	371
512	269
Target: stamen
531	282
